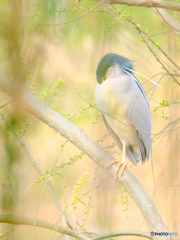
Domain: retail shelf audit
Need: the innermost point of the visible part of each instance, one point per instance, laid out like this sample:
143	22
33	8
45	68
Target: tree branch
146	3
123	233
98	154
5	104
19	220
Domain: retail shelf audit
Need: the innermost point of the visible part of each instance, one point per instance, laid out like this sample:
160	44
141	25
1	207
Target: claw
121	163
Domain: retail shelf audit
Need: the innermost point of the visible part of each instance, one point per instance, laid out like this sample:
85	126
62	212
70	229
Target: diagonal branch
146	3
98	154
19	220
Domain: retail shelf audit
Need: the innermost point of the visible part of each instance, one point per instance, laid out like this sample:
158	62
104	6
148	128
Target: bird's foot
121	163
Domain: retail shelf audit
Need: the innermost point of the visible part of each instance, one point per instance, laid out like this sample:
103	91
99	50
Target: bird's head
109	62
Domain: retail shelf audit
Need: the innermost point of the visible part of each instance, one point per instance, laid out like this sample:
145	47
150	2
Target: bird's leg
122	163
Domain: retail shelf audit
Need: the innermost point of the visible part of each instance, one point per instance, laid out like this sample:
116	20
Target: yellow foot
121	163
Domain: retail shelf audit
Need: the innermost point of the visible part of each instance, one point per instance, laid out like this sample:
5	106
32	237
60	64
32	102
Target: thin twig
165	20
173	30
163	130
46	184
123	233
5	104
154	86
120	20
58	24
159	58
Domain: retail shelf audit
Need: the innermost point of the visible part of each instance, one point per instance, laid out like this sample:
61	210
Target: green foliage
5	234
78	115
94	122
163	104
59	169
53	90
109	27
39	180
28	76
66	10
75	199
25	126
125	202
163	115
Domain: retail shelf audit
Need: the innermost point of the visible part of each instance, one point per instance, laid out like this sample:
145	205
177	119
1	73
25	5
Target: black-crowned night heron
124	108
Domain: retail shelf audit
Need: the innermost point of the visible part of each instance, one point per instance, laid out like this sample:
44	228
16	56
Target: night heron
124	108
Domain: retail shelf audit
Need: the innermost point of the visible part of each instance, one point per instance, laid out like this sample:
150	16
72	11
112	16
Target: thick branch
98	154
19	220
146	3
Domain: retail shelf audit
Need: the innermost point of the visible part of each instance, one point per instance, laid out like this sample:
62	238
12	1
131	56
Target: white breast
113	98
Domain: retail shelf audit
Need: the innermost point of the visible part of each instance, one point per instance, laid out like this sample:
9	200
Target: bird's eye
103	79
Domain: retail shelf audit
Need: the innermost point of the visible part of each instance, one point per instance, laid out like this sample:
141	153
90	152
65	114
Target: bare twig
159	59
123	233
163	32
5	104
163	130
46	184
167	19
154	86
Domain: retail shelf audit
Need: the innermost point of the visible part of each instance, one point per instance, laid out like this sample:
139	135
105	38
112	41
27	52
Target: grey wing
129	151
140	118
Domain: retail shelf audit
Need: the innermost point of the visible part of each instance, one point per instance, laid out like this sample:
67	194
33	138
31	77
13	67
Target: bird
124	108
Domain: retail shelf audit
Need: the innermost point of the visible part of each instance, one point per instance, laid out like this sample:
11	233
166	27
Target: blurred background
54	62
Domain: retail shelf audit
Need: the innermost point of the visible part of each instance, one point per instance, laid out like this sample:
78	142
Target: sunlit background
58	65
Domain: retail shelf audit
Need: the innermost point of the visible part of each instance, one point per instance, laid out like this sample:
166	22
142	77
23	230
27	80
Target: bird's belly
113	103
122	128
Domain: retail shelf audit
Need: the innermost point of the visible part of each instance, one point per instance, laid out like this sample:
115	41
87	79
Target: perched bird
124	108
